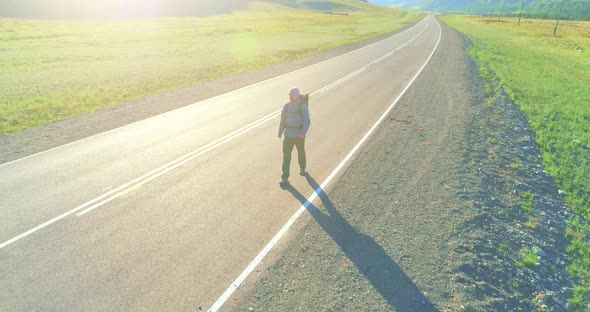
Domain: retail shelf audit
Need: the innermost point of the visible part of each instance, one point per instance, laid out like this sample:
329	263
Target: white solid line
230	92
109	196
398	48
179	162
238	281
342	80
324	88
337	82
170	166
184	159
143	177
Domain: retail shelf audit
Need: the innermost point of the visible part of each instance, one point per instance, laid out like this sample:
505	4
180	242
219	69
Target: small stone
540	252
558	302
561	192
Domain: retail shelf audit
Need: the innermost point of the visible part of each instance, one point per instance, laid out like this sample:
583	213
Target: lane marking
230	92
341	80
398	48
123	189
238	281
179	162
109	194
184	159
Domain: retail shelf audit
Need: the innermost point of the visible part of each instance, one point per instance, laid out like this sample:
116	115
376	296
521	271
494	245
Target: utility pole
558	16
520	15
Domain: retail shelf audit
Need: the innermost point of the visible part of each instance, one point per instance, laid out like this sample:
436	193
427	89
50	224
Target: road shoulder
425	218
386	237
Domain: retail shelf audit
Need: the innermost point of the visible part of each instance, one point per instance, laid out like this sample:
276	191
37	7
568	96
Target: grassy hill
329	5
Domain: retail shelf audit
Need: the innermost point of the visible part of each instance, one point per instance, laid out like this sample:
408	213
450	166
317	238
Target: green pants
288	144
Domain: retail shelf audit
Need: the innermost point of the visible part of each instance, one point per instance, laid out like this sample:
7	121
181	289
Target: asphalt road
165	213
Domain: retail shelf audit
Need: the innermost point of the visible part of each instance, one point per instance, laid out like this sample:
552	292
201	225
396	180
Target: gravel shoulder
428	217
31	141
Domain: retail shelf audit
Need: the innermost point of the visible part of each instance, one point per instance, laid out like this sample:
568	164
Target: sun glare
93	9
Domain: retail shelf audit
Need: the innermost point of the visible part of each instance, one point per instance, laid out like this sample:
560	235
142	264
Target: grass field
55	69
549	78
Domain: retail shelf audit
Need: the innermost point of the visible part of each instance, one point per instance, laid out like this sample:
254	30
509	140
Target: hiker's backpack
305	100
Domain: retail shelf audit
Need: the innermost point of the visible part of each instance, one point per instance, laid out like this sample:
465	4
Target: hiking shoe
302	172
284	183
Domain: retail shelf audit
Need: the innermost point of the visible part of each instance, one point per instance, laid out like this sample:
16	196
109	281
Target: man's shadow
368	256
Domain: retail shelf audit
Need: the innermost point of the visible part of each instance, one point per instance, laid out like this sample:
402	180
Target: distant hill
532	8
408	4
327	5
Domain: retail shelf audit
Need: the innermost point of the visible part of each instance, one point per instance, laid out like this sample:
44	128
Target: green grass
527	258
527	203
55	69
548	77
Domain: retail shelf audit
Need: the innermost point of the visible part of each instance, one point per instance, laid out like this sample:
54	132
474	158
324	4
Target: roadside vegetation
528	257
548	77
53	69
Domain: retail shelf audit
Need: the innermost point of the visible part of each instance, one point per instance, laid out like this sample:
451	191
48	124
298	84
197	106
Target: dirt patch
31	141
416	222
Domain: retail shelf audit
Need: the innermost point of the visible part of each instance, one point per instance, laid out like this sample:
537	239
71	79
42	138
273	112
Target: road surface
166	213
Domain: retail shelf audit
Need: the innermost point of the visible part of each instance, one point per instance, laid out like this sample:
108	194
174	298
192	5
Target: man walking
294	124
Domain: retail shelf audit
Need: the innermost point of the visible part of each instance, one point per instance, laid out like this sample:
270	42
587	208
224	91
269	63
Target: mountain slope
532	8
329	5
